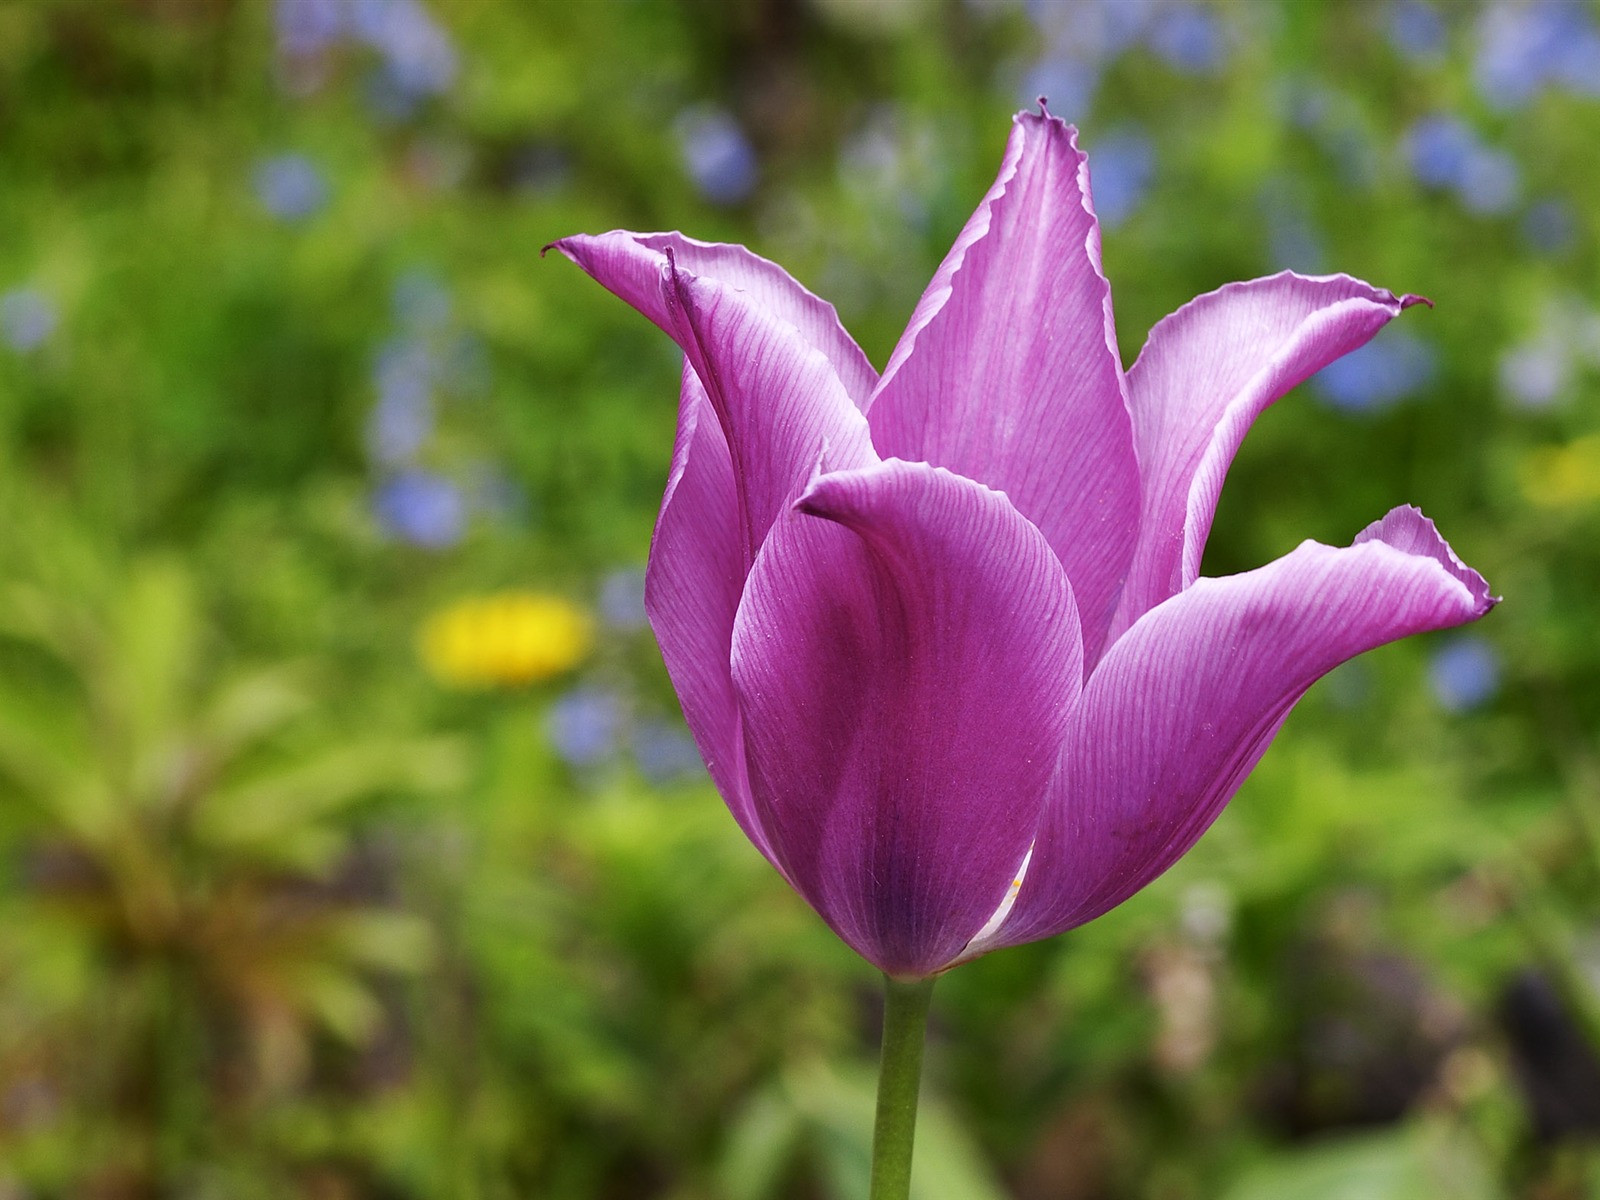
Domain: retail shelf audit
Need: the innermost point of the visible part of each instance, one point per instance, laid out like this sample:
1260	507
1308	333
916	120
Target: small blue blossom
402	419
716	153
1120	170
1417	30
1464	674
290	186
622	600
1550	226
418	57
1579	66
1526	46
665	753
1491	182
309	27
1067	81
1095	30
585	726
1534	375
27	318
1293	243
1190	38
1437	149
1392	366
422	508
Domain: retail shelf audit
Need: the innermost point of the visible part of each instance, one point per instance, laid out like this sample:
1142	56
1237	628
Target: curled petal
692	589
1205	374
629	264
778	398
1009	374
905	656
1185	703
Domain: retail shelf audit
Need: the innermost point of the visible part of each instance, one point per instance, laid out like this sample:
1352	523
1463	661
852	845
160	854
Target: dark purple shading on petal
692	589
778	398
1185	703
1009	373
1205	374
905	655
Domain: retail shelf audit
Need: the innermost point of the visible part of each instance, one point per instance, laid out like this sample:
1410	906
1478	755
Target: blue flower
1386	370
1464	674
422	508
1536	374
419	59
309	27
1120	169
622	600
1096	31
716	153
1550	226
1067	81
1525	47
1417	30
27	318
1490	183
290	186
585	726
1437	149
402	419
1190	38
664	752
1293	242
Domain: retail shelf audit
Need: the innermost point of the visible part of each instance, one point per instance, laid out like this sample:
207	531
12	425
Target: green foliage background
280	916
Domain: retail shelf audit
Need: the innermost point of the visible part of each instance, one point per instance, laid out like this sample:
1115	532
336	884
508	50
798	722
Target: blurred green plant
280	917
192	906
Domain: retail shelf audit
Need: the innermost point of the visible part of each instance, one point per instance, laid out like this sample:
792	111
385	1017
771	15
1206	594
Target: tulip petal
905	655
629	264
1009	373
692	589
779	398
1185	703
1205	374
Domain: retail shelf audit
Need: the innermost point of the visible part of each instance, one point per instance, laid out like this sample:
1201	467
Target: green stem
905	1020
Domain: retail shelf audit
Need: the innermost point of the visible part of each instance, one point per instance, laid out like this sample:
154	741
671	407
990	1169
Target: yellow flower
1562	476
504	640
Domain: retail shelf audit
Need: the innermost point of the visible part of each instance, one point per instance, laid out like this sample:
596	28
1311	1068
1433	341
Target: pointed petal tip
1410	531
1411	298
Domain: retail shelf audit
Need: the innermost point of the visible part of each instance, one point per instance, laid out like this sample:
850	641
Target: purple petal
692	589
905	666
1009	374
1205	374
1186	702
629	264
778	397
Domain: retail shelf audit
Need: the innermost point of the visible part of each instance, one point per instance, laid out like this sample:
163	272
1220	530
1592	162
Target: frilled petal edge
1185	703
905	656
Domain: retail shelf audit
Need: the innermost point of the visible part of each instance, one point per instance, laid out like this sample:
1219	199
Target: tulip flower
940	632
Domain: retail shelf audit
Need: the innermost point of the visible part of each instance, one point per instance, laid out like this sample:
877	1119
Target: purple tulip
939	634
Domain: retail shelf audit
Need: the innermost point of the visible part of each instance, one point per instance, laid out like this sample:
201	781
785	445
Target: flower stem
905	1020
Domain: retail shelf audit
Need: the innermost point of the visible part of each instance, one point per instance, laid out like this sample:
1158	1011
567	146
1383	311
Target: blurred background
351	843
